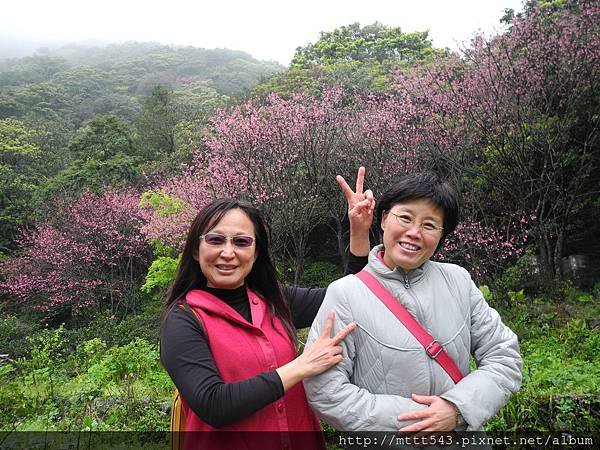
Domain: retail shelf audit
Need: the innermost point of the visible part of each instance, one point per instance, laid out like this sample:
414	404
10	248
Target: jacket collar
206	301
378	268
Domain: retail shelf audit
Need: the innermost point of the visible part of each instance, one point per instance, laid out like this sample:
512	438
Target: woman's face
226	266
411	232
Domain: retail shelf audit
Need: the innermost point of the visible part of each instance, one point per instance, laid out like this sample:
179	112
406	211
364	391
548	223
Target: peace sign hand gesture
317	357
326	350
361	206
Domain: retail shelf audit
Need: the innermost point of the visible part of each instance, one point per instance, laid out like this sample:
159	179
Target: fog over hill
13	46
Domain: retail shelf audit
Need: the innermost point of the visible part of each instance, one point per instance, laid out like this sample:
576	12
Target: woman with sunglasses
388	380
228	332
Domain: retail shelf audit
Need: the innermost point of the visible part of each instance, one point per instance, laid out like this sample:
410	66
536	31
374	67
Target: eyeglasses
428	227
218	240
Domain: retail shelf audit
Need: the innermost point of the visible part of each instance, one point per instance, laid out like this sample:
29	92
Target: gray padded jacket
383	363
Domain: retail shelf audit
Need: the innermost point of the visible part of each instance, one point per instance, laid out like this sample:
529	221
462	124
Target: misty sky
267	29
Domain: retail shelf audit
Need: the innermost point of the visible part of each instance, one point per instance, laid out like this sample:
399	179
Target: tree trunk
558	249
339	234
297	269
545	254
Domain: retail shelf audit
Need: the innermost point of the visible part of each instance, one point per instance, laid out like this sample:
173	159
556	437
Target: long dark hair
262	278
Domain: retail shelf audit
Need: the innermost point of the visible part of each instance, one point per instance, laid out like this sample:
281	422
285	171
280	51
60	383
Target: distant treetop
371	43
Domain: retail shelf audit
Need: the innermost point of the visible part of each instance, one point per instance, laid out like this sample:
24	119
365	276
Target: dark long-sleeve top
186	355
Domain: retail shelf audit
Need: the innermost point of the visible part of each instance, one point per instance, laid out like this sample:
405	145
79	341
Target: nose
228	249
414	230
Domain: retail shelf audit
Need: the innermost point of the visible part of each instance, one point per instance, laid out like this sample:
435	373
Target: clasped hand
440	415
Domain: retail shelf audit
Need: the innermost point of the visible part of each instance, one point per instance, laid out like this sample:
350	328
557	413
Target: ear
384	215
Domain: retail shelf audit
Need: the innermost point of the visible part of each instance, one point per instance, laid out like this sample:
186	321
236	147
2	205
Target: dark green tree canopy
102	138
18	157
156	121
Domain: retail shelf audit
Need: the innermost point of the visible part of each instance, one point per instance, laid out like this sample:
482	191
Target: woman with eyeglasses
388	379
228	333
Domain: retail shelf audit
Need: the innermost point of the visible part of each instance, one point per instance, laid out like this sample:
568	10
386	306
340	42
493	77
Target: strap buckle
433	351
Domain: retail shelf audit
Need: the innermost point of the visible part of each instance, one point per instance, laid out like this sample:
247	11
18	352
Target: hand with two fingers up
361	206
317	357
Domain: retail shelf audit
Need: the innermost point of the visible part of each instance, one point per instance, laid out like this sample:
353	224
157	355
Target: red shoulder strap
432	347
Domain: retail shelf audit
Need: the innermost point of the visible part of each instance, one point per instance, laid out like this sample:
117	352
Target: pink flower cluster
484	249
91	254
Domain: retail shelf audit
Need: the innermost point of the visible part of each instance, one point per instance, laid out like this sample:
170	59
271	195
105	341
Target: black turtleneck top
186	355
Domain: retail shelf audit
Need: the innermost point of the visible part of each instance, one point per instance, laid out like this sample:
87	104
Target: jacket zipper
406	281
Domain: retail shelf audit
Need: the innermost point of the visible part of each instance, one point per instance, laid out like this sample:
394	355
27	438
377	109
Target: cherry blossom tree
516	120
91	254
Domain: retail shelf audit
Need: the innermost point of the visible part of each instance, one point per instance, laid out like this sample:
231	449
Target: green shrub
319	274
560	382
131	361
115	331
90	353
523	275
161	274
48	348
487	293
145	325
14	334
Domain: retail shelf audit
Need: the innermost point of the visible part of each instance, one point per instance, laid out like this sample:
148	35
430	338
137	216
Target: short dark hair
423	186
262	278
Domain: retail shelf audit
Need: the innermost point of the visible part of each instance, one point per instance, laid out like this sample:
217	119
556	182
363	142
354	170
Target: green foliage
161	274
15	334
93	175
162	203
15	141
516	297
560	386
102	153
375	42
295	79
19	156
319	274
156	122
103	137
91	353
113	330
362	58
519	278
32	69
118	364
584	297
97	388
49	346
485	290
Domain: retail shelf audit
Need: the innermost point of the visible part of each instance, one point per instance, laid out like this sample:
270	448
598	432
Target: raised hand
360	213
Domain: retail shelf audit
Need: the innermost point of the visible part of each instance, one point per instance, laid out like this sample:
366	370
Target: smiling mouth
225	267
410	247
